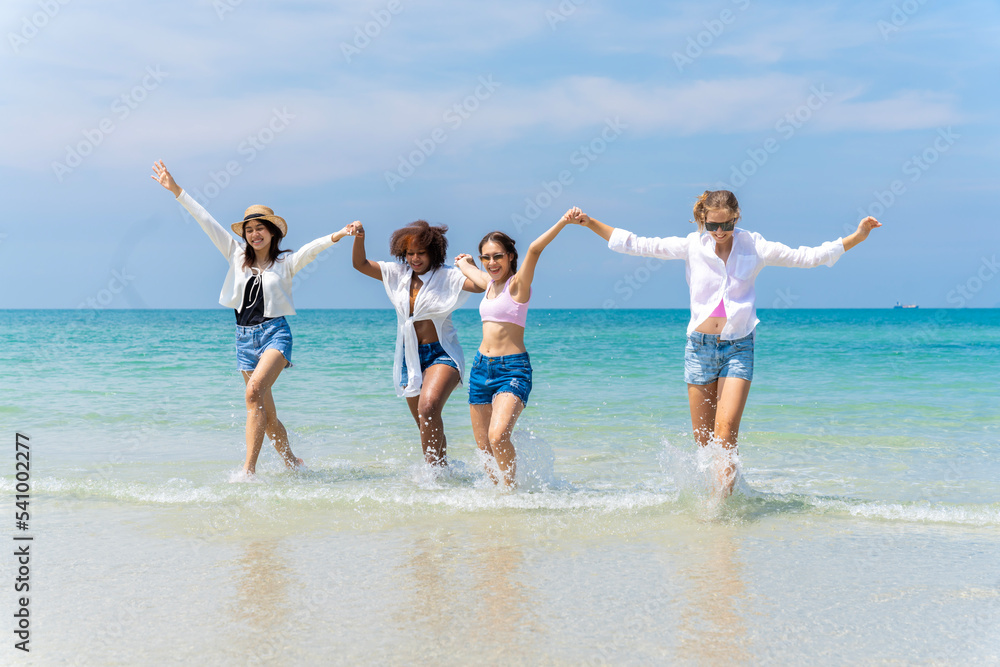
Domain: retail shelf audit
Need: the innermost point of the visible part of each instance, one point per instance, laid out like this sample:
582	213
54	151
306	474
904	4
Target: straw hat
258	212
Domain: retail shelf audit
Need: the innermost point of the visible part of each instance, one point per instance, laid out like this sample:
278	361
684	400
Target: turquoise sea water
866	528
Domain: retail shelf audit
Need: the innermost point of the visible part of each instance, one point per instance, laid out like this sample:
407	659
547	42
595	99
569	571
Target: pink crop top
720	310
503	308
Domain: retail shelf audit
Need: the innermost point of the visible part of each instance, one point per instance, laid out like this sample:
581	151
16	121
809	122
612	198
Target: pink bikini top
503	308
720	310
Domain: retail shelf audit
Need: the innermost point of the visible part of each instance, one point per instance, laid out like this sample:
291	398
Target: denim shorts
252	341
494	375
706	358
430	354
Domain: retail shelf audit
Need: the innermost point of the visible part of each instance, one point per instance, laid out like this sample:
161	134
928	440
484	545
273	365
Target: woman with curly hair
428	363
722	264
258	288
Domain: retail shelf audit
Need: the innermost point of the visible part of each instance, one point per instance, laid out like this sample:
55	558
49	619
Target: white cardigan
441	294
710	279
276	279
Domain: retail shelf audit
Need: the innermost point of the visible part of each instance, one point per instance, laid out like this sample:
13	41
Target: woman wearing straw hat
259	288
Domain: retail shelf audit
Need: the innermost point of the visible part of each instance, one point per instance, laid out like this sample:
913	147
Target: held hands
163	177
572	216
575	216
346	231
465	257
355	229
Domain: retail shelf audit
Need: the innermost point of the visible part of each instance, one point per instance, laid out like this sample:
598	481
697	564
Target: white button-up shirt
711	280
439	296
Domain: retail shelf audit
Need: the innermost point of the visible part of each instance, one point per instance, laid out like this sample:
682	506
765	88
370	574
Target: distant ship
905	305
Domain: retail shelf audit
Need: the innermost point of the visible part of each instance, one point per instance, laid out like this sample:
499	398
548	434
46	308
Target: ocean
865	528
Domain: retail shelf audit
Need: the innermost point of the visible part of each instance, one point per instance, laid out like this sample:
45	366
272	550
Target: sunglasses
724	226
495	258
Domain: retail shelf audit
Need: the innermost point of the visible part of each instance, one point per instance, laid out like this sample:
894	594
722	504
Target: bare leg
439	381
506	409
275	430
732	398
702	400
481	415
259	384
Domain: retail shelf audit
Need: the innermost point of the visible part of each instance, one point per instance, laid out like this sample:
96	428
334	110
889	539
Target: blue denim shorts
494	375
430	354
252	341
706	358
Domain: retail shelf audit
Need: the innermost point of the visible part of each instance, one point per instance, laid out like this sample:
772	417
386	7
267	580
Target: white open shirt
710	279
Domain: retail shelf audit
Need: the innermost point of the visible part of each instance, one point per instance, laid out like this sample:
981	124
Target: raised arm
307	253
358	256
479	278
163	177
220	236
599	228
620	240
520	286
804	257
864	229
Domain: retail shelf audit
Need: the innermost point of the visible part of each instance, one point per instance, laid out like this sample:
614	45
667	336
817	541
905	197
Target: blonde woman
722	264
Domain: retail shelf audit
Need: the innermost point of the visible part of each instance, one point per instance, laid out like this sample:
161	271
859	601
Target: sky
485	116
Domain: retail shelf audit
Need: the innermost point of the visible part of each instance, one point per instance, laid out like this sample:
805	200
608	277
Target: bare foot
242	476
294	463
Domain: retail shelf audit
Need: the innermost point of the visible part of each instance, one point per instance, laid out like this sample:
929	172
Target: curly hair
715	199
420	234
506	242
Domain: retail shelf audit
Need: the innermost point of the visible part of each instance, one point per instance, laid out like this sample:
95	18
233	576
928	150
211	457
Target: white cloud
225	77
905	110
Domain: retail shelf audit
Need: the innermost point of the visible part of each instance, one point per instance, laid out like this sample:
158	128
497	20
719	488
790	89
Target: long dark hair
508	247
420	234
274	253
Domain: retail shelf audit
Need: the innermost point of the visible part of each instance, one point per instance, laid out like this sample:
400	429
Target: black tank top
251	313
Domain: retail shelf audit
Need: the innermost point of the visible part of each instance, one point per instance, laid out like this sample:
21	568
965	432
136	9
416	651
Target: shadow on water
747	507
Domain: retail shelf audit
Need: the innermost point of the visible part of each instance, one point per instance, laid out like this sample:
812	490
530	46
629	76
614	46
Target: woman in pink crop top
500	380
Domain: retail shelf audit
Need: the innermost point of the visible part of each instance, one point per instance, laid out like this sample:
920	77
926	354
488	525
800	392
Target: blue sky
490	116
